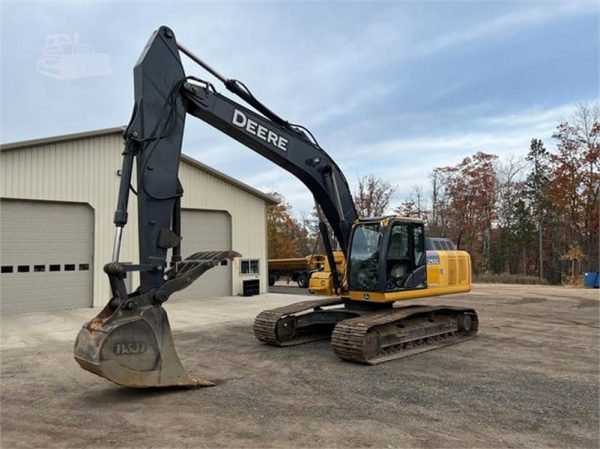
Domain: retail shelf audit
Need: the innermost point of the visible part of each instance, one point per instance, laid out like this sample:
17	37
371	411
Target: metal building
57	202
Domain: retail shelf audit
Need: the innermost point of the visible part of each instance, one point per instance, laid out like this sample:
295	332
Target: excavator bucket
131	343
133	349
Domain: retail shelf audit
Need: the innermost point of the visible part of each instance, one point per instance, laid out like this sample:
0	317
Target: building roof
119	130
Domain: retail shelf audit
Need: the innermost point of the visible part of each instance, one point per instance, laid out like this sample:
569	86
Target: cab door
404	258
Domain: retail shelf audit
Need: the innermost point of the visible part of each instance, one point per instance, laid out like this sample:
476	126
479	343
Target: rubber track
265	324
349	336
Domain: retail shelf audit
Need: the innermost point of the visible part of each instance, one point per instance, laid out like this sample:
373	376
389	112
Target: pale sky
390	88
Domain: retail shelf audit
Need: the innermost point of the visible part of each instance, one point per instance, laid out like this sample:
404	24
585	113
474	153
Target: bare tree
373	196
414	205
508	178
510	215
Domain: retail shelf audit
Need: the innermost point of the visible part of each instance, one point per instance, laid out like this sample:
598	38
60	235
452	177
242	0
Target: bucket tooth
133	349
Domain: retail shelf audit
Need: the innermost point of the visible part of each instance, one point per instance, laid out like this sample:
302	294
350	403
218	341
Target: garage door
206	231
46	251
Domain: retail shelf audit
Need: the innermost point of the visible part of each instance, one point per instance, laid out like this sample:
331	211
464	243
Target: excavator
377	262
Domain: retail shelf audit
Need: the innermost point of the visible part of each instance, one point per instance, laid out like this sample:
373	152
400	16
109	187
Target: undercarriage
367	333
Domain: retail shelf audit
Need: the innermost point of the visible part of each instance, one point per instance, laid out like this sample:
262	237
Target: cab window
364	257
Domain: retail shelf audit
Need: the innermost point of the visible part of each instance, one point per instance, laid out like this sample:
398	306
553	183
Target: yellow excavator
379	261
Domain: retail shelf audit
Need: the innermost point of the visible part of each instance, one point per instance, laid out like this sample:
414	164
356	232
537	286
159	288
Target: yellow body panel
321	282
448	272
408	294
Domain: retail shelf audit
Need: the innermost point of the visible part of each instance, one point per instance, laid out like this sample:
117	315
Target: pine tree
536	186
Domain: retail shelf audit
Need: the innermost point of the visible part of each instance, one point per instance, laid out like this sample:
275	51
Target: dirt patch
530	300
528	380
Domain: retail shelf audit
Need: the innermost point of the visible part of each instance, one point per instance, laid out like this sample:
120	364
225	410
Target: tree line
534	216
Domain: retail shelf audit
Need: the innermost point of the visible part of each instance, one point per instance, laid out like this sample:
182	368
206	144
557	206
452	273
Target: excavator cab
387	255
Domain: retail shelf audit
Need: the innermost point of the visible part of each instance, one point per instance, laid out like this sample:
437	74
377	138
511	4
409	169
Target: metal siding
205	230
84	170
45	234
75	171
248	214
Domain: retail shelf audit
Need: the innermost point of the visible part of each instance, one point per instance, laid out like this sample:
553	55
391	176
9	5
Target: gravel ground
530	379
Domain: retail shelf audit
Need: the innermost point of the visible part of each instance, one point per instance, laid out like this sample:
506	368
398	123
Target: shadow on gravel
114	394
526	300
583	303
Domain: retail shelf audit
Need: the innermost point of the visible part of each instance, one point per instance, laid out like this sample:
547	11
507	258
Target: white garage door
46	251
204	230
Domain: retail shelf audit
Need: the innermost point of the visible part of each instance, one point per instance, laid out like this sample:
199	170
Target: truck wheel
302	280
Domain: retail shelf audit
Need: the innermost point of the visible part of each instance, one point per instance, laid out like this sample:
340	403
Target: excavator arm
283	146
163	96
130	341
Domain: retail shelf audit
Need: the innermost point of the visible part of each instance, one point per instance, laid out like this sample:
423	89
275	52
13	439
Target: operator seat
398	259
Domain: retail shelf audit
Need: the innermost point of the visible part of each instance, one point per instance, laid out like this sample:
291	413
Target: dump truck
298	269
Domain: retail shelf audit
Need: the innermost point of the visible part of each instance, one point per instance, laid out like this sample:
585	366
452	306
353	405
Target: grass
507	278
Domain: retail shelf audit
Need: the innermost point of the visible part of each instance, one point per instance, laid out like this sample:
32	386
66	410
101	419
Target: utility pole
541	249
